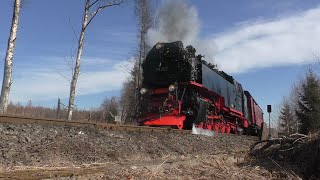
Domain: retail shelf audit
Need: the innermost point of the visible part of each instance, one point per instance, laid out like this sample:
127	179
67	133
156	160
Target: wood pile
300	151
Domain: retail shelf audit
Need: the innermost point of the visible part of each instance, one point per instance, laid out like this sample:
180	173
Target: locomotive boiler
180	89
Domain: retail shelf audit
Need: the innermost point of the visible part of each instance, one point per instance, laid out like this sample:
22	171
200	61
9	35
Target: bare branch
93	4
69	63
64	77
74	31
93	15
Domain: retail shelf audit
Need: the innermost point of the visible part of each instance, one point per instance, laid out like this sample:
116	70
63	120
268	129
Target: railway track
105	126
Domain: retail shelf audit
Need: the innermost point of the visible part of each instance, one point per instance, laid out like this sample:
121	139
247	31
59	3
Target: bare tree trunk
143	13
87	18
7	76
76	71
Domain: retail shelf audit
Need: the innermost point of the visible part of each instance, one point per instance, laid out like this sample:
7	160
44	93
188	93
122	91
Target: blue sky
266	45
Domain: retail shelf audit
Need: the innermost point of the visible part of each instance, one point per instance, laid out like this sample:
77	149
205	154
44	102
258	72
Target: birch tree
90	11
7	75
144	23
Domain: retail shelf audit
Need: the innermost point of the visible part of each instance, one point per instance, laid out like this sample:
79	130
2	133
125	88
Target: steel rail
99	125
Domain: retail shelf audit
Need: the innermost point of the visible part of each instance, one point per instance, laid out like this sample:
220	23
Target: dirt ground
63	152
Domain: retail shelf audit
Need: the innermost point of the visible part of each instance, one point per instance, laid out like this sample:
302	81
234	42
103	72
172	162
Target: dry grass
222	166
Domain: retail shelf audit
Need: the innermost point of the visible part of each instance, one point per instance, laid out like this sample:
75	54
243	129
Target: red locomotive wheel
216	127
228	130
222	129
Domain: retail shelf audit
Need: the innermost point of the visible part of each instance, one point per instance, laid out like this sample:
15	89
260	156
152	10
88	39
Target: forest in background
105	113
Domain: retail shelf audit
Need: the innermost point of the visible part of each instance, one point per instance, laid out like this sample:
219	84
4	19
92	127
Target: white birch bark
76	71
87	18
7	76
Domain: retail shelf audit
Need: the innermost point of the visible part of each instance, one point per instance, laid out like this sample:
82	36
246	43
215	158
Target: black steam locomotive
180	89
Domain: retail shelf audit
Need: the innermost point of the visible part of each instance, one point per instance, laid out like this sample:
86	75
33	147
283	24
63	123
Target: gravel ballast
48	145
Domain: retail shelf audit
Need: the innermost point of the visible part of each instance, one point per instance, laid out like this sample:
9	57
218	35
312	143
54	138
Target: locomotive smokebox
166	64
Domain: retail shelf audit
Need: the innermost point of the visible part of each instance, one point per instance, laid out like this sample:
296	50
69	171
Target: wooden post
58	108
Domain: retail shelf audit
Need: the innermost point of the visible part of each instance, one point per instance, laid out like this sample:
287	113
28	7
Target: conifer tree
308	105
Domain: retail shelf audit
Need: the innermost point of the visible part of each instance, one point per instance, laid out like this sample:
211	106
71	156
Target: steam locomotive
180	89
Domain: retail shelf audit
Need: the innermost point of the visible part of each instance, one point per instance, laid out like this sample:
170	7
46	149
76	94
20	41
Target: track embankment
52	144
42	148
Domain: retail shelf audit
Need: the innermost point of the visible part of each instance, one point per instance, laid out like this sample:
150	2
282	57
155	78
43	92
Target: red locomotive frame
215	122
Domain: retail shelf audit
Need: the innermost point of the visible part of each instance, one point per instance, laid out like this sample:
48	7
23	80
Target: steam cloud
201	131
177	21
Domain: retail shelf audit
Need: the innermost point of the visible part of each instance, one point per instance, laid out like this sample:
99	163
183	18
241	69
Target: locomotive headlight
172	87
143	91
159	45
